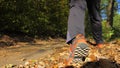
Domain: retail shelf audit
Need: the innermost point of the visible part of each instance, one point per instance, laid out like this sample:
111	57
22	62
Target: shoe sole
80	52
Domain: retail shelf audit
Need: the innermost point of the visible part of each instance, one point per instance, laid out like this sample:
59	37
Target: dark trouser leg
94	13
76	18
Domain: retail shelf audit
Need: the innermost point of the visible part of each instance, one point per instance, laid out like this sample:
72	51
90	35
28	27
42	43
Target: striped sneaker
78	50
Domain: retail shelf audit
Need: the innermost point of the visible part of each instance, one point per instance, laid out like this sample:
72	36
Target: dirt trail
25	51
53	52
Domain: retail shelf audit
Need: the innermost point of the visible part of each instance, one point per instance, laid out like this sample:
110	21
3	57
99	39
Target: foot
100	45
78	50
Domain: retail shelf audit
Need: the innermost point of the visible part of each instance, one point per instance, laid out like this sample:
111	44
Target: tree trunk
110	12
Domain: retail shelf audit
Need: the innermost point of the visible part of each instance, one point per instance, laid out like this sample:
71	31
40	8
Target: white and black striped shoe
79	49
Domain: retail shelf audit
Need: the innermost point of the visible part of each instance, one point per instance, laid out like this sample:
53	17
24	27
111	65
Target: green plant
107	31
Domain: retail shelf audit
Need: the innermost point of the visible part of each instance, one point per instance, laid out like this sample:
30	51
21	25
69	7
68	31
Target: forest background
46	18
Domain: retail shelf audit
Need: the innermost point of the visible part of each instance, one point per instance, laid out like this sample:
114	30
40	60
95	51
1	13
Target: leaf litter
56	60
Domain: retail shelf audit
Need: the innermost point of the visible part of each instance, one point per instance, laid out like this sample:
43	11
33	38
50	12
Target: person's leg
76	19
94	13
78	46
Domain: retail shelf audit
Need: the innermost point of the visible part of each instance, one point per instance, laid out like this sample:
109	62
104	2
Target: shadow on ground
102	63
